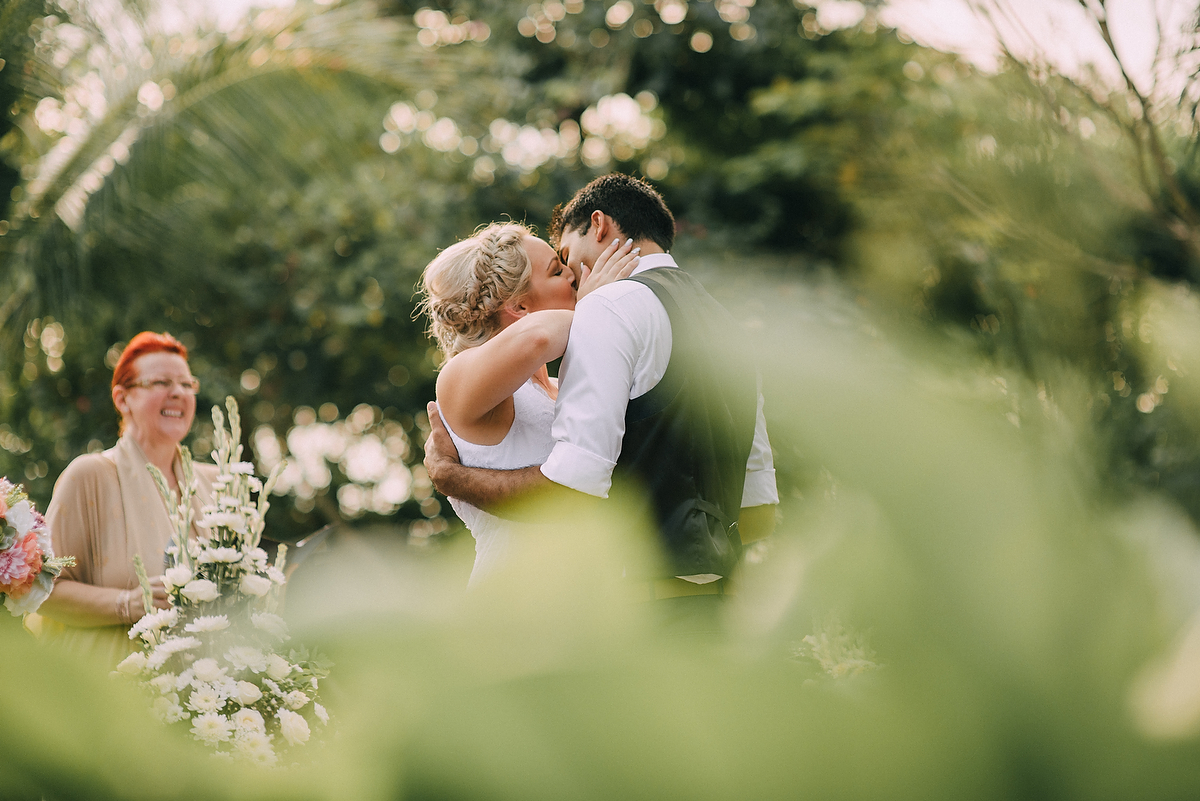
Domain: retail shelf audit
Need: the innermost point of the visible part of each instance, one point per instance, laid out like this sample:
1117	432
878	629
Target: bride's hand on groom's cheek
440	453
616	262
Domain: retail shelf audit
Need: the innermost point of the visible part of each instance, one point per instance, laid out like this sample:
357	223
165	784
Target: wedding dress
528	442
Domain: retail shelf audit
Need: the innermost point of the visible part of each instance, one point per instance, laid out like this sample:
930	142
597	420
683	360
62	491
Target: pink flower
43	534
3	505
19	566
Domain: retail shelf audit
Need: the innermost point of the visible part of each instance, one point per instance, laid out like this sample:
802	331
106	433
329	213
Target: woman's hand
160	593
617	261
130	606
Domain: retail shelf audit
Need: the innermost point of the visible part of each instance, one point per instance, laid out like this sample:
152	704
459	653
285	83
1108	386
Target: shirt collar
654	260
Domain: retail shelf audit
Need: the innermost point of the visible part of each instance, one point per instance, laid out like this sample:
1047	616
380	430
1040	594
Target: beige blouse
105	509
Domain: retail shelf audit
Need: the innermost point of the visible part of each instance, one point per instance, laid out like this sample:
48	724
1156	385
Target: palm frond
221	104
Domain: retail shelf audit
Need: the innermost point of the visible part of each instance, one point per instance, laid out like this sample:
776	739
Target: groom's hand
441	457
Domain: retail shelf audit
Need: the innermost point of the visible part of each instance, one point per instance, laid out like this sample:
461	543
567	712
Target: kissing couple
657	399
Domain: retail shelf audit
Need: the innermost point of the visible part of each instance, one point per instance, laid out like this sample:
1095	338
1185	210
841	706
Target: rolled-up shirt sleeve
594	386
760	488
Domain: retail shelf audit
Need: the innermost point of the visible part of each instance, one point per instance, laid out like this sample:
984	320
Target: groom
658	401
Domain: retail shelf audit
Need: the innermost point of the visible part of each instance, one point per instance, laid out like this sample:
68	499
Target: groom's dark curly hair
634	205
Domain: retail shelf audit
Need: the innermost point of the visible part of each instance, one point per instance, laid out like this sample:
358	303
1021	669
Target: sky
1057	29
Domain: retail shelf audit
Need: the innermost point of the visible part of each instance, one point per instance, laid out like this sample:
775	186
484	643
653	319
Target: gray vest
687	439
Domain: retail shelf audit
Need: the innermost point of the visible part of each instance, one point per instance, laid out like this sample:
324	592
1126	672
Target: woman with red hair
106	507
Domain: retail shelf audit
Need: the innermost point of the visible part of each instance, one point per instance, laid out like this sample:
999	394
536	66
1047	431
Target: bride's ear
511	312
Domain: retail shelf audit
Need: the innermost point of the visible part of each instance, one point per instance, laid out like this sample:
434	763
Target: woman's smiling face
158	413
551	284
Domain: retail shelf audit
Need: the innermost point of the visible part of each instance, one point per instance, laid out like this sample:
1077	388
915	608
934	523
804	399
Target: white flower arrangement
212	661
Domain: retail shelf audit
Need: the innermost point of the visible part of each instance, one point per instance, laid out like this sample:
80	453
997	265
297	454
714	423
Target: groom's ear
600	226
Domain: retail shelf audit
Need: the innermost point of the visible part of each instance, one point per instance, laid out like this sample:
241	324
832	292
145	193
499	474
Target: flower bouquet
28	565
215	659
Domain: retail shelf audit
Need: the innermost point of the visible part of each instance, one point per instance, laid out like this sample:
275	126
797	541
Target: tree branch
1179	200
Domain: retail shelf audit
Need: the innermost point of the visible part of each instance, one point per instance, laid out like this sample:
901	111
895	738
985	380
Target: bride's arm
476	381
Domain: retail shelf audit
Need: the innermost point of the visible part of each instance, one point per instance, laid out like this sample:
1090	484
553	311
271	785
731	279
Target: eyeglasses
188	387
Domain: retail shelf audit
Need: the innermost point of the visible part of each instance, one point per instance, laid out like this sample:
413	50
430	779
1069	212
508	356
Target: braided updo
468	284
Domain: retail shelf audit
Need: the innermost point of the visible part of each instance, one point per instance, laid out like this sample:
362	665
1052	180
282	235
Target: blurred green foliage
1010	606
977	323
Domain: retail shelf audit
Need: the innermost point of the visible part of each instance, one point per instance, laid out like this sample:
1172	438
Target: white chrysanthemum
168	648
223	555
273	687
278	668
159	618
247	693
256	747
133	664
153	622
208	670
150	638
166	709
257	586
205	698
198	590
243	657
230	520
320	712
276	575
295	700
165	683
176	576
208	623
293	727
175	644
271	624
242	468
212	728
255	560
249	720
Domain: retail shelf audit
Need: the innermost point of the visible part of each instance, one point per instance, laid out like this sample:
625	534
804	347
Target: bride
500	306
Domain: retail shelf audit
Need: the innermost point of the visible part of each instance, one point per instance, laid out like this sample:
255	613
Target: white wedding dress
528	442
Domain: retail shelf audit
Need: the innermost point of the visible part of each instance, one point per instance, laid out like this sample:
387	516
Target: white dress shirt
619	348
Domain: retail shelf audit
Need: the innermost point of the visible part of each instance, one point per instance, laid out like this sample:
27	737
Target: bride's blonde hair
468	284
